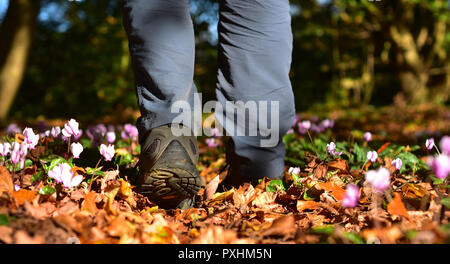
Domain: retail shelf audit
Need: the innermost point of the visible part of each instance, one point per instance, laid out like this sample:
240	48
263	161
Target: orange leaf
306	205
6	184
23	195
89	202
396	206
333	188
338	164
382	148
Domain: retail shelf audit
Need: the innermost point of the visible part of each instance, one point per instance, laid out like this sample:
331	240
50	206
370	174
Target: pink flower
331	147
110	137
440	165
367	136
55	131
211	142
107	151
397	163
351	196
294	170
327	123
30	138
304	126
5	148
429	143
129	131
71	180
290	131
19	151
71	129
76	149
59	172
372	156
62	173
16	187
296	119
379	179
445	145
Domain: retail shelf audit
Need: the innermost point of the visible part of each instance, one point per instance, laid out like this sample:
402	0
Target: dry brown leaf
211	188
340	164
264	199
282	226
396	206
6	184
307	205
23	196
331	187
89	203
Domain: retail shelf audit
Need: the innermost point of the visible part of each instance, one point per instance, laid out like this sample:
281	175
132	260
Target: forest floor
302	207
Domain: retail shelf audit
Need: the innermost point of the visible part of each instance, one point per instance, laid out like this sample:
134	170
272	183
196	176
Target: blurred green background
62	58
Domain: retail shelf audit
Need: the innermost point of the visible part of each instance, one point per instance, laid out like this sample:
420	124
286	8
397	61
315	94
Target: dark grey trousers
255	46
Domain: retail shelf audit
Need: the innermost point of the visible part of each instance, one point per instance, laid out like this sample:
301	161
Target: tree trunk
16	34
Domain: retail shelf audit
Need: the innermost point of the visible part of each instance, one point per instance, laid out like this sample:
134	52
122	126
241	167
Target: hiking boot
167	169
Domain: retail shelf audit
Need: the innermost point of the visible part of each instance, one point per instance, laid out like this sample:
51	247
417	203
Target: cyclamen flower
62	173
19	152
290	131
129	131
31	139
294	170
304	126
296	119
397	163
372	156
110	137
429	143
351	197
440	165
12	129
367	136
55	131
16	187
107	151
445	145
379	179
71	129
331	147
327	123
5	148
76	149
211	142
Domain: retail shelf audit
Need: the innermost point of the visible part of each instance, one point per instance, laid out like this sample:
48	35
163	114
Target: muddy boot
167	169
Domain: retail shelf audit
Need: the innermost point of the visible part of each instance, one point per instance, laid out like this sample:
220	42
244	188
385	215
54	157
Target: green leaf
47	190
39	175
275	185
353	237
325	230
308	195
446	202
4	220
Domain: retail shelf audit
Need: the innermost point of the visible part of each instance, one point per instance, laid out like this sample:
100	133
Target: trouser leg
255	46
161	43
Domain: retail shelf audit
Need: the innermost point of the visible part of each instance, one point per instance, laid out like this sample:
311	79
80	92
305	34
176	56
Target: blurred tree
16	34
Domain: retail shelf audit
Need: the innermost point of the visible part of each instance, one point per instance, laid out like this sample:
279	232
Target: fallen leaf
340	164
89	203
23	196
332	188
384	147
6	184
396	206
211	188
307	205
282	226
264	198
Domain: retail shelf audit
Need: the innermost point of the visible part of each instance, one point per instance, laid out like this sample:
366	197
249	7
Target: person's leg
161	42
162	47
255	46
